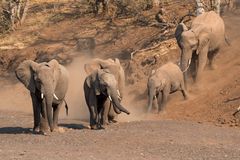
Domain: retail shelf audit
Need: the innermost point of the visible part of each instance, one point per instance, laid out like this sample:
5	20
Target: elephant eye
105	84
38	81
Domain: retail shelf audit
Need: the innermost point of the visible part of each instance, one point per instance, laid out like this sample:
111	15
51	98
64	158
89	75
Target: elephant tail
66	107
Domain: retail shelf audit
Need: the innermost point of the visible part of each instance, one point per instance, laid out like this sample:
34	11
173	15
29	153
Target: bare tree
200	7
13	12
203	6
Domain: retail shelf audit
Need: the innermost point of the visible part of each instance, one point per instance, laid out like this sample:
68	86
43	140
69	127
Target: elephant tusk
54	95
238	108
42	95
189	62
118	93
119	98
110	98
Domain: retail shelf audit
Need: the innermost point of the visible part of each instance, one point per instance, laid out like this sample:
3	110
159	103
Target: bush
132	7
12	14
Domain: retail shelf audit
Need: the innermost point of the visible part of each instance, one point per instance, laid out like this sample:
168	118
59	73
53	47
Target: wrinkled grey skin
114	68
99	88
49	79
162	82
200	43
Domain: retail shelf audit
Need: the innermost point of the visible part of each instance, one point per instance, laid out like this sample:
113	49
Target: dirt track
193	129
136	140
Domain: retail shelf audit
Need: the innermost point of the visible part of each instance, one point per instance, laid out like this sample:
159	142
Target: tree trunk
24	13
200	7
217	8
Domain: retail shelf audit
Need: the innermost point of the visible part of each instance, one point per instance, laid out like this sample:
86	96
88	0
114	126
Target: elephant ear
163	83
116	60
97	83
55	66
203	42
25	73
181	27
93	82
118	64
91	67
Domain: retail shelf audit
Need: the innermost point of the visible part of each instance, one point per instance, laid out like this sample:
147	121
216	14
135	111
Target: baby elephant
162	82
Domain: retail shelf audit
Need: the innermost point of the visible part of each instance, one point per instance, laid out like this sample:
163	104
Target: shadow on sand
15	130
73	126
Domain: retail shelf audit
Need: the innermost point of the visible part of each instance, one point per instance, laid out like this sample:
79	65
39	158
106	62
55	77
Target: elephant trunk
48	95
151	94
184	68
113	96
185	64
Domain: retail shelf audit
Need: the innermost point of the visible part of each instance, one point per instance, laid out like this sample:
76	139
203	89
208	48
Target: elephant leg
183	90
159	100
36	112
106	109
202	60
99	118
56	109
165	94
93	116
43	120
112	115
211	58
193	66
91	101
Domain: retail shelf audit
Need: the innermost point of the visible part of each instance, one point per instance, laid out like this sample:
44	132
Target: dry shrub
132	7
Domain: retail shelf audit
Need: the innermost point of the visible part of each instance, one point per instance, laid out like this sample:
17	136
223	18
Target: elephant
116	69
100	86
164	81
200	43
48	84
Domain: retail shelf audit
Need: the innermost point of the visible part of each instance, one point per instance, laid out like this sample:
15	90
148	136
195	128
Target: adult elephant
48	84
200	43
115	68
99	87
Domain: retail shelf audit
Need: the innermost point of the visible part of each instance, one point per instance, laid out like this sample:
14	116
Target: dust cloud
14	97
75	95
136	103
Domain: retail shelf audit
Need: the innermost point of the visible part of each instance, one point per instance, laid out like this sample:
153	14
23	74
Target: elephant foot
212	67
162	112
100	127
43	133
36	129
94	127
97	127
186	96
112	121
105	123
44	129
